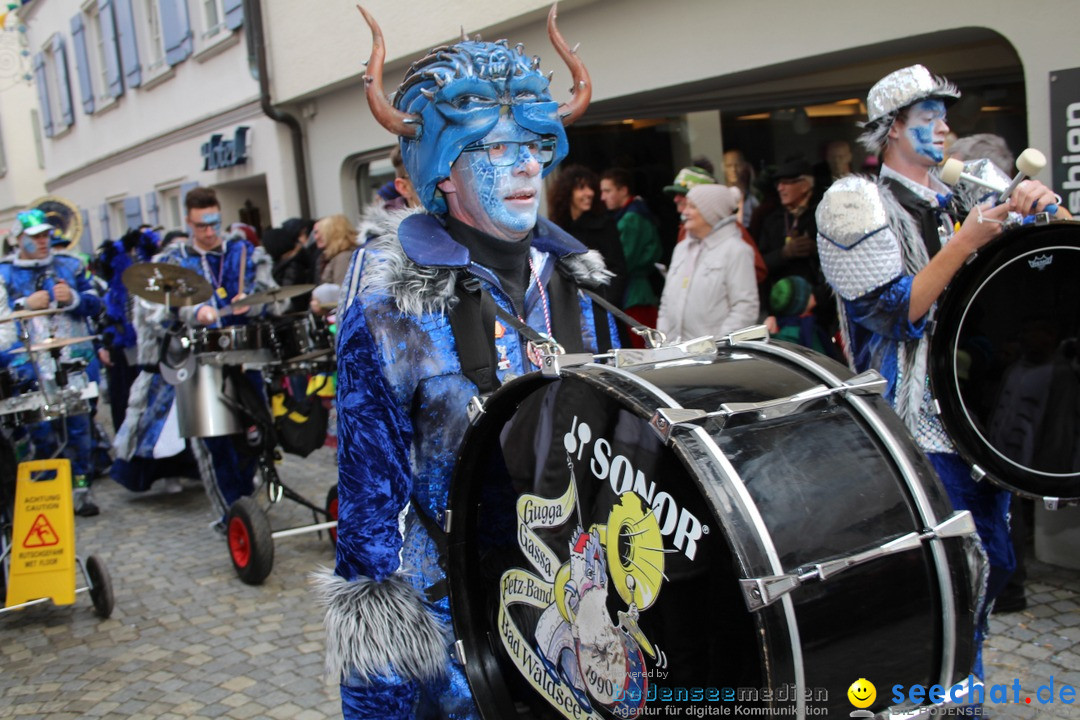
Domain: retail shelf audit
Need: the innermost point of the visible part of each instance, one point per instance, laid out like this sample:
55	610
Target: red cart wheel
251	545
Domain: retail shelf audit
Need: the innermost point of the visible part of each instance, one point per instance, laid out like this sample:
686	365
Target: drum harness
471	321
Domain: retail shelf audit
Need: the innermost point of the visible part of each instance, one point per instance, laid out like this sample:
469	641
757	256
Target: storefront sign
220	153
1065	135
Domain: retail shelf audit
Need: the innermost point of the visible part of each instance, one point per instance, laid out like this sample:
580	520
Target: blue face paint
921	122
29	244
500	201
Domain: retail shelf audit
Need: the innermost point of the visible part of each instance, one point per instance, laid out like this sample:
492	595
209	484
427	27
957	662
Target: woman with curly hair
572	206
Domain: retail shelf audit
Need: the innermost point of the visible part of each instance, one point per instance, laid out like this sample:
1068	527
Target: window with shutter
175	30
129	42
83	67
152	209
110	48
41	77
133	217
234	13
63	84
213	18
155	36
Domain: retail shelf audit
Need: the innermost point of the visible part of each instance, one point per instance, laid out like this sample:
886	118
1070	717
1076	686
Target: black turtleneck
507	259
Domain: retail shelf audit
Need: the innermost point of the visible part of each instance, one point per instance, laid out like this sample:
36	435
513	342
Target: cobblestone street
189	640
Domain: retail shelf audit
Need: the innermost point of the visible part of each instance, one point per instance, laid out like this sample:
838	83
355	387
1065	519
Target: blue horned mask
455	95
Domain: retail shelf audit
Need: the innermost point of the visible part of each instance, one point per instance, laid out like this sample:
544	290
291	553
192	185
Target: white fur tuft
374	629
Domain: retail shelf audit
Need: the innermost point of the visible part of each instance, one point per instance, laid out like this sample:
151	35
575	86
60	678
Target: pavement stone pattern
189	640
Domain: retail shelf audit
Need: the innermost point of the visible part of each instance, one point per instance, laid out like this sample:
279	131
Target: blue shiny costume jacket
401	416
24	277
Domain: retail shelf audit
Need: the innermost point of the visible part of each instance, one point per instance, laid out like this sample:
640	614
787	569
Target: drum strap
927	217
472	320
439	590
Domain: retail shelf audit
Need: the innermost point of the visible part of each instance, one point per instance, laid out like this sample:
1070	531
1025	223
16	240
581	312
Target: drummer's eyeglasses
214	222
506	152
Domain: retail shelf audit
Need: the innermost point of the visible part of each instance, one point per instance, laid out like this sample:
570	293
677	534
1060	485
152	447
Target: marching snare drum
300	337
201	406
233	344
1005	361
22	401
742	525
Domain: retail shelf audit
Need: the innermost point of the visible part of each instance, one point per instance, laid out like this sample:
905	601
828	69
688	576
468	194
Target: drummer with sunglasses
479	130
889	248
234	268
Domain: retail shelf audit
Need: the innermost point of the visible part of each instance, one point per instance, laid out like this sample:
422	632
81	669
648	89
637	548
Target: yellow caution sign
43	536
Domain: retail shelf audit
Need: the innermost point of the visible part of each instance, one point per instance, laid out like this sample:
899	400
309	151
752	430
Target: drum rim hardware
665	420
763	591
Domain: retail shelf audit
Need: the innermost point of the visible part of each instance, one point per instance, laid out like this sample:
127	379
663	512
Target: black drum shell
895	604
1012	311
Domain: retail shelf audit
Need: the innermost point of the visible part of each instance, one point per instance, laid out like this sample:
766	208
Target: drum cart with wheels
213	399
248	532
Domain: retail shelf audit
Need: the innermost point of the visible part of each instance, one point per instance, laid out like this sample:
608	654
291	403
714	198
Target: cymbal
55	343
269	296
23	314
166	284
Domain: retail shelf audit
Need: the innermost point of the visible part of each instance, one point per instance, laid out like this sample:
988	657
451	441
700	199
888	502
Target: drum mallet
1030	163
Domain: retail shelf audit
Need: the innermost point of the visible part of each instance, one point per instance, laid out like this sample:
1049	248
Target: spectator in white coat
711	288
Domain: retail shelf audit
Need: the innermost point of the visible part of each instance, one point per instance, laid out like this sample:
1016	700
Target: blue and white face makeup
925	129
501	201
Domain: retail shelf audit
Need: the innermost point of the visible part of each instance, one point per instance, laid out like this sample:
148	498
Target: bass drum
1005	361
734	528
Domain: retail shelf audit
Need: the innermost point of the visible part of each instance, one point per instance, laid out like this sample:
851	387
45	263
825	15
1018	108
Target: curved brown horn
394	120
582	88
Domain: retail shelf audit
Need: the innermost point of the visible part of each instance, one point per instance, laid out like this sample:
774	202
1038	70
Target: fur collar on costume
429	288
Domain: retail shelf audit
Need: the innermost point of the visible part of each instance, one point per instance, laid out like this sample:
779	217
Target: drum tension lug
1052	503
446	515
702	347
459	651
754	333
664	420
553	363
475	409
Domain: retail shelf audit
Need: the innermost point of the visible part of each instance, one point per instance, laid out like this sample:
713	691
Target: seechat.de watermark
999	693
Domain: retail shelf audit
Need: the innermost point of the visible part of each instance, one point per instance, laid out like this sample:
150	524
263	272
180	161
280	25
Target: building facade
141	100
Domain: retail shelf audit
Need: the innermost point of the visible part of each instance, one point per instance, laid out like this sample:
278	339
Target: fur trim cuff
377	629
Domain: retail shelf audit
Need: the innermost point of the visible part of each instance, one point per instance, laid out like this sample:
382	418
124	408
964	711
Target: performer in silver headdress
889	248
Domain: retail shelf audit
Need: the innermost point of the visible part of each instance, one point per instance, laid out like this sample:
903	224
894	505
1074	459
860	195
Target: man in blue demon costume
478	131
889	248
37	279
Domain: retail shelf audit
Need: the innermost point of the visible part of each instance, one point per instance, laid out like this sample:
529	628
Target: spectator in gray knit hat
711	288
